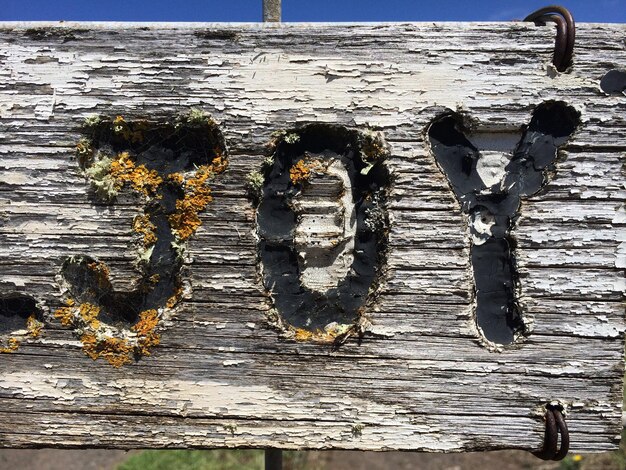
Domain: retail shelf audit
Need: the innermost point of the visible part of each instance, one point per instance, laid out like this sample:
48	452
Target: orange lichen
89	313
115	351
65	315
173	300
148	320
13	345
84	151
97	344
124	170
121	127
34	326
318	336
176	178
301	171
147	229
102	272
373	147
145	328
219	163
146	342
99	267
301	334
185	221
325	336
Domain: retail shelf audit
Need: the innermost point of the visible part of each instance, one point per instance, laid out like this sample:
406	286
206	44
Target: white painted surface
420	380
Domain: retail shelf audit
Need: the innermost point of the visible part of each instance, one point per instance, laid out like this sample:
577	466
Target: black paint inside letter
492	208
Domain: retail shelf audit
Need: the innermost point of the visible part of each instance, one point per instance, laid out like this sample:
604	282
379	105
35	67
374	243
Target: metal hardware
565	33
555	426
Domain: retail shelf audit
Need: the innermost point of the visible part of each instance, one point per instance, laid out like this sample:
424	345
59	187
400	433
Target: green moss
254	184
195	118
278	135
268	162
179	246
373	145
100	178
144	254
357	429
292	138
92	121
376	219
231	428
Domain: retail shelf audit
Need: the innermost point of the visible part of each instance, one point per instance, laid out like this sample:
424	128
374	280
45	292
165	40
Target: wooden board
422	377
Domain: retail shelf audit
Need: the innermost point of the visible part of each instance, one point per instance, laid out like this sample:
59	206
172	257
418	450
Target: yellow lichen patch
145	328
373	147
185	221
65	315
176	178
34	326
121	127
148	320
115	351
219	163
99	267
13	345
328	335
143	226
173	300
301	334
84	150
102	272
317	336
301	171
101	341
124	170
146	342
89	313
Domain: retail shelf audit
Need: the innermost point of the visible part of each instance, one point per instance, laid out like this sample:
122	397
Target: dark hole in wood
15	310
614	82
167	148
284	270
492	209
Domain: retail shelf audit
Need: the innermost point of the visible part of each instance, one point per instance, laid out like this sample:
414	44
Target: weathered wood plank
423	377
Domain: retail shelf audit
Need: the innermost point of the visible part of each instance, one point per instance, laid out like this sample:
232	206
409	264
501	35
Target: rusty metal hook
565	33
555	426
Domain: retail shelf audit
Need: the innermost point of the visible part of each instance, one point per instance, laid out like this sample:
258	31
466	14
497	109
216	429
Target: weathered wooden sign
390	236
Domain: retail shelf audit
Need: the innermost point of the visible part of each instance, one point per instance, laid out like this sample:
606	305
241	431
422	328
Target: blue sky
612	11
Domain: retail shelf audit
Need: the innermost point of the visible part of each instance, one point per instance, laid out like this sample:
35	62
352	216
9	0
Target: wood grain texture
222	377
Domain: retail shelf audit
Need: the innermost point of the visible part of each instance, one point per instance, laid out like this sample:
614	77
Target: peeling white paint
417	377
326	223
